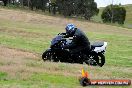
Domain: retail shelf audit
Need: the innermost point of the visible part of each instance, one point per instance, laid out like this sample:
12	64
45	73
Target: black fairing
57	42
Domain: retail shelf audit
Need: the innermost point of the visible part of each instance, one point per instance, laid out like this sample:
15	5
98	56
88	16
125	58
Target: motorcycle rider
80	42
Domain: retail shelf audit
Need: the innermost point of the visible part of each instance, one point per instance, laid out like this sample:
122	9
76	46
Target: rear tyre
92	59
101	59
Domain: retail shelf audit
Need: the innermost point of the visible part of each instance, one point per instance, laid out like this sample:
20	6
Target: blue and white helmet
70	28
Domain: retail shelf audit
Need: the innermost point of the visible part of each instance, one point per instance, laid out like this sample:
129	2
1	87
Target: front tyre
47	56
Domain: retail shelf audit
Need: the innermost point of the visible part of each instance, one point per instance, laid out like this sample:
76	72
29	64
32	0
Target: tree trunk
21	2
13	2
5	2
28	3
49	7
54	8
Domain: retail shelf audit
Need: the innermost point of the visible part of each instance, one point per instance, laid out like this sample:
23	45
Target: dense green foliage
82	8
114	13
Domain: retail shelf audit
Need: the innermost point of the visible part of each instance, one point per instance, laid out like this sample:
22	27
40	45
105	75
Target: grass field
25	35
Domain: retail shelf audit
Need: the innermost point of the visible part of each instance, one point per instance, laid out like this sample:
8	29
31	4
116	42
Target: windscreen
56	39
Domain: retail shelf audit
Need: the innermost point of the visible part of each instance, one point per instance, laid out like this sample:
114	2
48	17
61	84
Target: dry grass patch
8	52
61	22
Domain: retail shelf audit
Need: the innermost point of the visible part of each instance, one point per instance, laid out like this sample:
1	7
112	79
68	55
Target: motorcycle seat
97	44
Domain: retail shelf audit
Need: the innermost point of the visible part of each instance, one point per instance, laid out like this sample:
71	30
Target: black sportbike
56	53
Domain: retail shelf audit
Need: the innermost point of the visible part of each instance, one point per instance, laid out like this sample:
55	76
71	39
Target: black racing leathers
80	41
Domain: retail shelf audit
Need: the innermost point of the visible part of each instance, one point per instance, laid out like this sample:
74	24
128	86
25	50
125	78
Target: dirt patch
13	61
11	53
20	32
10	56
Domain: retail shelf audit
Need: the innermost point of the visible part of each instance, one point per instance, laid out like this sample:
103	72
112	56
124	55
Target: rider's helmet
70	28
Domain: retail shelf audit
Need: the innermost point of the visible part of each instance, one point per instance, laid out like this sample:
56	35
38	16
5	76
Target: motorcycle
95	56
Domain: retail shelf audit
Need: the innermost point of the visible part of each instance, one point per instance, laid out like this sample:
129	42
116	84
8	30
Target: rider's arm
73	44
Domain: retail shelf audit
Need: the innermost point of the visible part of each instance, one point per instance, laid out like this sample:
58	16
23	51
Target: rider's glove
62	46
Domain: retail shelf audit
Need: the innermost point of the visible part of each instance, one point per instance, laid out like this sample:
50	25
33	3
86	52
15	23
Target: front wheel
46	56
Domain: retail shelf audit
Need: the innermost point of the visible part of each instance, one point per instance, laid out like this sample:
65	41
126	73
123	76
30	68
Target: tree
90	8
34	4
85	8
8	2
82	8
67	9
114	13
59	4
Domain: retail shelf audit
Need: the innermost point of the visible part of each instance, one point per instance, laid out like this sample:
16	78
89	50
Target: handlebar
62	34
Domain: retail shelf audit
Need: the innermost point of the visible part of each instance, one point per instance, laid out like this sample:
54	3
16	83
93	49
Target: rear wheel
95	59
92	59
101	59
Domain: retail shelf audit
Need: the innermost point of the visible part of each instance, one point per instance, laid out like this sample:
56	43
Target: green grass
3	75
41	80
36	37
